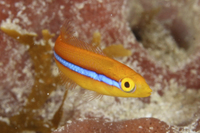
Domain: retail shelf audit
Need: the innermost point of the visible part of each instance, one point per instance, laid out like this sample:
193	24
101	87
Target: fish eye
127	85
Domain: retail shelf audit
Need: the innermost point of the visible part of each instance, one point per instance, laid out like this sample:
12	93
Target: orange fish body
98	72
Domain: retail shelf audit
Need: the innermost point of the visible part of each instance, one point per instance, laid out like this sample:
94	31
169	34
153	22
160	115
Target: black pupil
127	85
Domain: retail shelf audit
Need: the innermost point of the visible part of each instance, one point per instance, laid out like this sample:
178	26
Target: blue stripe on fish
88	73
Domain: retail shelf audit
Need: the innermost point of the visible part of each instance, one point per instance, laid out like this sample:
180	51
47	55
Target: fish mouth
149	90
147	94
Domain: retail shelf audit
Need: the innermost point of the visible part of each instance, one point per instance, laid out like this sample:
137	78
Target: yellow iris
127	85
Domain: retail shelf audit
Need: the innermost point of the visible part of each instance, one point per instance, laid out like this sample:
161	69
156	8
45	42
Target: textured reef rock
142	125
163	38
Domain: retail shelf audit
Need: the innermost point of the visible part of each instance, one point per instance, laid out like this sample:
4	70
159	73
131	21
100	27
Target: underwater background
163	37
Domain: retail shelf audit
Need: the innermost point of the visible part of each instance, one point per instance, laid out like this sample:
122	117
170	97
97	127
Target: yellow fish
91	69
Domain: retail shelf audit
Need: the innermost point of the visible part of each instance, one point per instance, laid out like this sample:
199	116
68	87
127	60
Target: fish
89	67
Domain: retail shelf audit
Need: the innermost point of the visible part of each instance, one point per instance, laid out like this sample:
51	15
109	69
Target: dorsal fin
67	36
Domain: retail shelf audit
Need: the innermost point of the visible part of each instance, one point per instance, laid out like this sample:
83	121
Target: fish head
135	86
